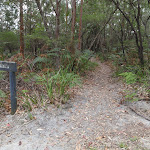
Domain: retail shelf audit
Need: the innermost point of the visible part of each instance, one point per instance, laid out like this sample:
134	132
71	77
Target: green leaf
2	94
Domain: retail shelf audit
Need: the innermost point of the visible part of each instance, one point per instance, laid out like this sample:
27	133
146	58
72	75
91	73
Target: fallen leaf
8	125
46	148
20	143
40	129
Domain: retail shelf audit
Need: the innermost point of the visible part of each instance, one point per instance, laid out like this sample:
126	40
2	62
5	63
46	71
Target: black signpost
12	68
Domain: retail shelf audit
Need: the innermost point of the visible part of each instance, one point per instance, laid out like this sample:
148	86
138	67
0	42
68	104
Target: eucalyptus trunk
80	26
66	14
21	29
73	19
57	11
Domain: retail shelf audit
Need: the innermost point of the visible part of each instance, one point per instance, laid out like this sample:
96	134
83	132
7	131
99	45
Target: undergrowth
40	82
136	77
56	83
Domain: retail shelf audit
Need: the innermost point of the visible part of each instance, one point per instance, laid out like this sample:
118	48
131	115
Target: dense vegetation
53	41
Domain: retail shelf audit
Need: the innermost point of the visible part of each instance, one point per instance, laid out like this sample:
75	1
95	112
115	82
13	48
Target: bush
9	41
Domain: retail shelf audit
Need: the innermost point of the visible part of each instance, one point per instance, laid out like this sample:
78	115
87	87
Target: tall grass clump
58	83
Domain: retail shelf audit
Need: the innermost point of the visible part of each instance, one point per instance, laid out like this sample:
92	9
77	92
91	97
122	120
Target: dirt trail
92	120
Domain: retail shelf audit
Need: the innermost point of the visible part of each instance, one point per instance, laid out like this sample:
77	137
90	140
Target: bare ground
92	120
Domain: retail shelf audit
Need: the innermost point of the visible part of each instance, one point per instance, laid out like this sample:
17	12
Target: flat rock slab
142	108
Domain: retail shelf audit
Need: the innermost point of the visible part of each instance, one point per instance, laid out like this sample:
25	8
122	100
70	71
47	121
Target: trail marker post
11	67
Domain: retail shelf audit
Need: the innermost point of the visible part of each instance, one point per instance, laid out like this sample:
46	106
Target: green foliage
123	145
2	75
79	63
138	77
37	39
116	58
83	62
9	41
102	56
28	100
38	33
2	97
30	116
2	94
40	60
142	75
130	77
131	96
57	83
47	59
91	148
133	139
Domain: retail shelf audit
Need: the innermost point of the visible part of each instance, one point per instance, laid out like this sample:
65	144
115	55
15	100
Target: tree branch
102	29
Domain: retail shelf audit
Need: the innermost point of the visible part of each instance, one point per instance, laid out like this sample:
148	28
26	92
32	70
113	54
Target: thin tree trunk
80	26
21	29
57	13
140	51
101	30
66	14
57	19
147	38
73	19
122	44
138	36
43	17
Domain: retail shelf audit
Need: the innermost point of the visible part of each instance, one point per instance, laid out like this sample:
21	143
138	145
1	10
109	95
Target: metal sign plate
8	66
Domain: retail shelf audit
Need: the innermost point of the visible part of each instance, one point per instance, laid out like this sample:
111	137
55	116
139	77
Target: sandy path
92	120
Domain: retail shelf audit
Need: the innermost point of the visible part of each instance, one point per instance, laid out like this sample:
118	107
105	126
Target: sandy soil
92	120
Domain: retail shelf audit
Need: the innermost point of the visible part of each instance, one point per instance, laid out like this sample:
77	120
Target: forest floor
93	119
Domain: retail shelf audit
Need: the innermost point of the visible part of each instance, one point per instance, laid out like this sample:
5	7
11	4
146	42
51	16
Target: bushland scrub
136	78
92	119
40	82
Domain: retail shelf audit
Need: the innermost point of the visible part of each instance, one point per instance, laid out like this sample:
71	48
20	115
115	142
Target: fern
130	77
39	60
2	94
1	75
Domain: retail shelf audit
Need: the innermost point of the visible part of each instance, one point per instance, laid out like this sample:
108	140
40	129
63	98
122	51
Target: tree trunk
137	33
57	11
122	43
80	26
66	14
147	38
73	19
21	29
43	17
92	43
140	50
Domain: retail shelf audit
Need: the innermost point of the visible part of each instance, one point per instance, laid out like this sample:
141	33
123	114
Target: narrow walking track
92	120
